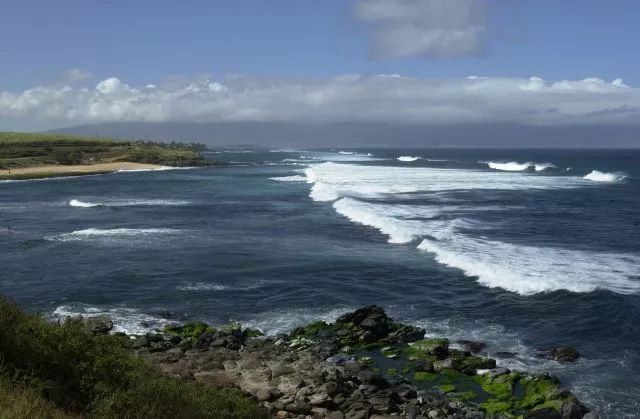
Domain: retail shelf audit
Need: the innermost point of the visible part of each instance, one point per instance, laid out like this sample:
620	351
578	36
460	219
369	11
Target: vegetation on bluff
19	150
66	371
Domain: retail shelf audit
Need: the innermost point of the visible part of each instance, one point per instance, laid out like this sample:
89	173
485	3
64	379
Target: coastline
365	365
48	171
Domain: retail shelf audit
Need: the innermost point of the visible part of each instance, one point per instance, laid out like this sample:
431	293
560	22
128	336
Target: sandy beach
53	170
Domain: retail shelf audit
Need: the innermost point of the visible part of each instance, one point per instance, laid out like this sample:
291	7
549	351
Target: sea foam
510	166
598	176
362	194
127	203
408	158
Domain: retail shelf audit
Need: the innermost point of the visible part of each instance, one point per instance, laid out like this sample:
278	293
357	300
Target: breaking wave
127	203
357	191
408	158
294	178
118	233
509	167
598	176
544	166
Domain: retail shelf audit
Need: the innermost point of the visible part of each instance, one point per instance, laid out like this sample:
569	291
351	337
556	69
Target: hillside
23	150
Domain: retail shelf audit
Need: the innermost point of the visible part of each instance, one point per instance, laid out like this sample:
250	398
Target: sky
543	62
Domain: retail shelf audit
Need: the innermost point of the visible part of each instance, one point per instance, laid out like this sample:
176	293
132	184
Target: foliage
96	375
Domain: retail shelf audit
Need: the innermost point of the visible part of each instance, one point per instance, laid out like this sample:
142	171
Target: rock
282	414
472	346
496	372
280	369
216	379
263	395
544	413
335	415
99	325
342	359
560	354
591	415
299	407
572	410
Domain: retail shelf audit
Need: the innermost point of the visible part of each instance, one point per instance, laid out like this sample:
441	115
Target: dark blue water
522	259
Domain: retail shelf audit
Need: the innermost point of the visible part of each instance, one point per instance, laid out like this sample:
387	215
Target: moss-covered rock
428	349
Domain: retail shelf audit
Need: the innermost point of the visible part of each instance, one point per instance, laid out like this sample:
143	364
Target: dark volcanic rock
561	353
472	346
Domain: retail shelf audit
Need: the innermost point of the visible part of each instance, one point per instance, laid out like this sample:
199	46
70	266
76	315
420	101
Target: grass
64	371
32	149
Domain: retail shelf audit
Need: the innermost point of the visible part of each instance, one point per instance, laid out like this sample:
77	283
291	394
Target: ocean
519	248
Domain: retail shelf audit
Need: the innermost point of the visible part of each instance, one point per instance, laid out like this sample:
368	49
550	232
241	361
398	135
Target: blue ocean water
520	248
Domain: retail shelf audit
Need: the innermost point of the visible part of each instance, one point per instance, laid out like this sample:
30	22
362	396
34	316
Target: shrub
97	376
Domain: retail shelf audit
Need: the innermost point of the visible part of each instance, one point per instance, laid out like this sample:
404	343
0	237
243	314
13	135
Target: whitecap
408	158
510	166
598	176
544	166
118	233
294	178
132	202
213	286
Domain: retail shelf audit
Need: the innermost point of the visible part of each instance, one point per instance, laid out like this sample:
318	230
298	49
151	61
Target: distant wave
294	178
127	203
408	158
442	229
597	176
213	286
509	167
543	166
90	233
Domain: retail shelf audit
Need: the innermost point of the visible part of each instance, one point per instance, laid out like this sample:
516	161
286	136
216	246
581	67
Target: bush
97	376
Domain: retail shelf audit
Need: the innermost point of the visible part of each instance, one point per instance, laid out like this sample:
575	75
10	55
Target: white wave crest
91	233
294	178
332	181
510	166
128	203
444	229
126	320
408	158
528	270
543	166
597	176
213	286
82	204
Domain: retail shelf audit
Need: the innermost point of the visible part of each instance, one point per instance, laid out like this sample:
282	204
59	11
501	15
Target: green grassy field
20	150
64	371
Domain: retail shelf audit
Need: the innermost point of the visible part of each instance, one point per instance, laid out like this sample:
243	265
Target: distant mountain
360	134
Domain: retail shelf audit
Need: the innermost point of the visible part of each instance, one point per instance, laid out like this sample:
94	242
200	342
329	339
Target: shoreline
364	365
49	171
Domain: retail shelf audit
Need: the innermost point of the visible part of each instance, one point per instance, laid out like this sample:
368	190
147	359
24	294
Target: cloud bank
379	98
430	28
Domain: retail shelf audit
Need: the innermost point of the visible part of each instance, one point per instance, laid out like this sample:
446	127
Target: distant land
361	134
36	155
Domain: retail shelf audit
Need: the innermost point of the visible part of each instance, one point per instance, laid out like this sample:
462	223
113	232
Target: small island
26	156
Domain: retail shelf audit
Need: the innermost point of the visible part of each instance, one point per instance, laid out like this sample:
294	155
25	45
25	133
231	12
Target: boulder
472	346
99	325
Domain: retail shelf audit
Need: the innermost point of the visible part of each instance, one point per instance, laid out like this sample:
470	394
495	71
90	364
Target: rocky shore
365	365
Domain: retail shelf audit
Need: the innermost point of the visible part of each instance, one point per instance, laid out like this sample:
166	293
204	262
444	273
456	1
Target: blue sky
153	42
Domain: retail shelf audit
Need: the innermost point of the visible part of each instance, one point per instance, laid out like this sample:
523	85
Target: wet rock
560	354
544	413
472	346
99	325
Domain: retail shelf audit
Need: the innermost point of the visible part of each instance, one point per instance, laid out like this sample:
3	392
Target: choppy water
522	248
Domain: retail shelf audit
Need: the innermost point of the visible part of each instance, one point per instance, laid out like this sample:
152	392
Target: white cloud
388	98
432	28
75	74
